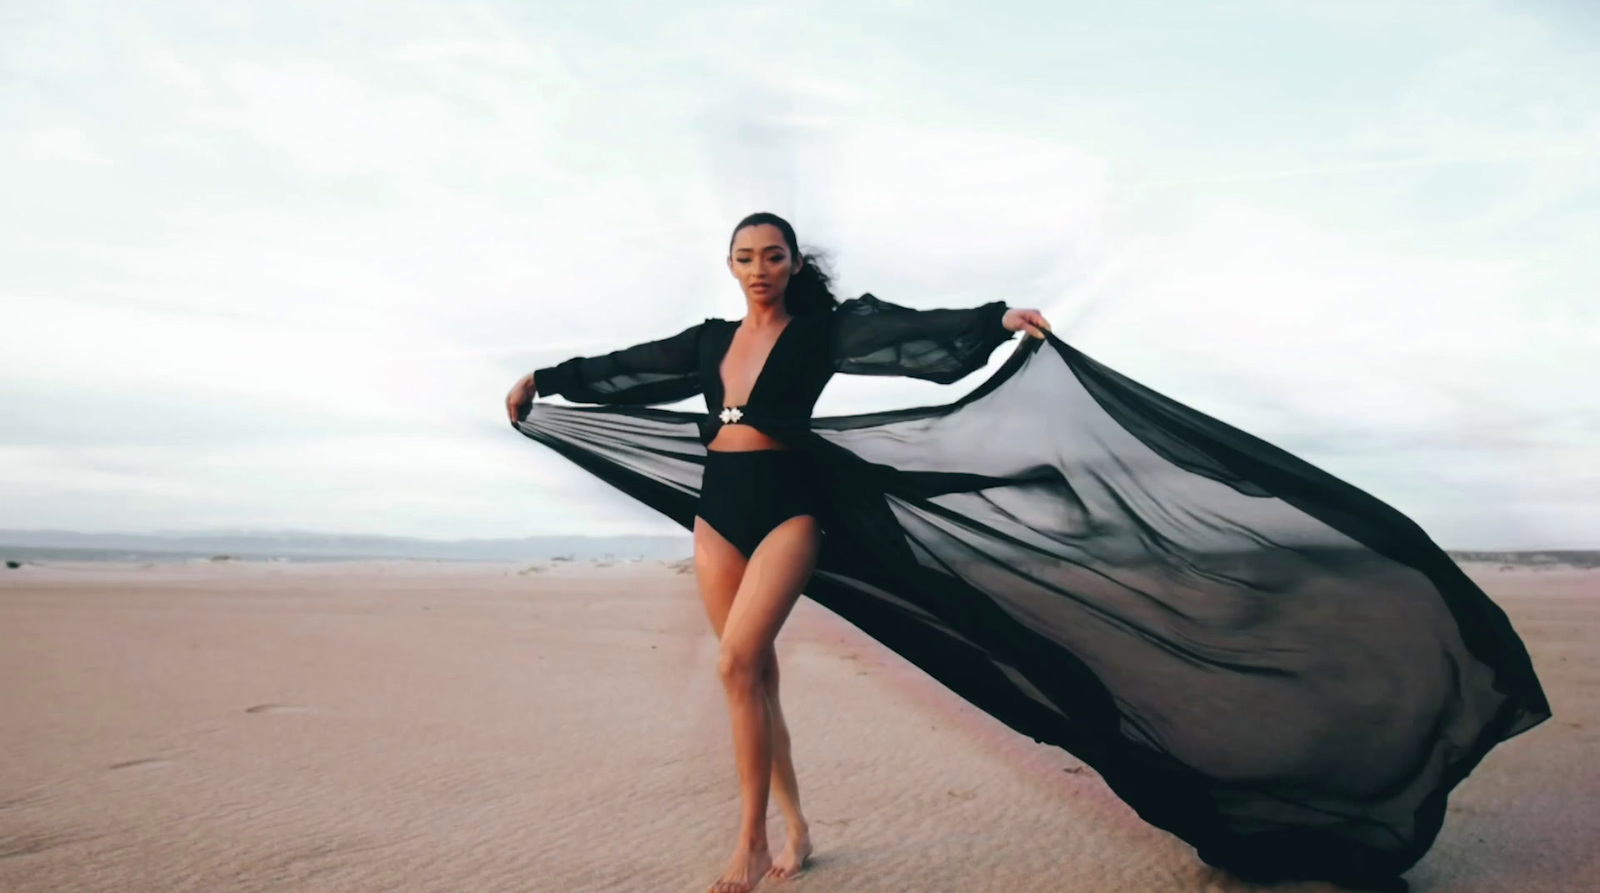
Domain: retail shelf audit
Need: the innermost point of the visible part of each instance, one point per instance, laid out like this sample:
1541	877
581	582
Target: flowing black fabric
1266	661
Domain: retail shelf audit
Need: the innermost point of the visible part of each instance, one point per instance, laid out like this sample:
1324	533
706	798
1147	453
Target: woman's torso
782	390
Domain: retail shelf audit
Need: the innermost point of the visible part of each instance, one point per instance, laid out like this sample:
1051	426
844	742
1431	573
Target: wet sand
411	726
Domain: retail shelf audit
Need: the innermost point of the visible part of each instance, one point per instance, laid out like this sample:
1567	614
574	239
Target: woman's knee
741	665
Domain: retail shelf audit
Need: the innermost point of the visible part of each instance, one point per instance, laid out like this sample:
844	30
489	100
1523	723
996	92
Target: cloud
273	265
67	144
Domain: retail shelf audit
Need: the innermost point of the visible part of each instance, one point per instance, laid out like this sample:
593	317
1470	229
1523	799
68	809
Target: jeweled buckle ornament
730	414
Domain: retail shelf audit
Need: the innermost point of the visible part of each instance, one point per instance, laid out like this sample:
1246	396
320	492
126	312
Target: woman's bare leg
718	569
767	589
785	787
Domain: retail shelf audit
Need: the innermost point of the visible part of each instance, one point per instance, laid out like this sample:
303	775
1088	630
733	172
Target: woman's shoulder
865	304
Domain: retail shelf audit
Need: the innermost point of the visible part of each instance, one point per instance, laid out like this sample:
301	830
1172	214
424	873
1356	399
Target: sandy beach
419	726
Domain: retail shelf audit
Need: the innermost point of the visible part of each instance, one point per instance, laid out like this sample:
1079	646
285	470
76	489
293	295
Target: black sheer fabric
874	337
663	371
1273	665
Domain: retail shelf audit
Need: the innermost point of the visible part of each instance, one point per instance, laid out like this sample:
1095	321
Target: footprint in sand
277	708
146	761
29	844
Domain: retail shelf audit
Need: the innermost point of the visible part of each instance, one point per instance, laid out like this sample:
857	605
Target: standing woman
756	527
1266	661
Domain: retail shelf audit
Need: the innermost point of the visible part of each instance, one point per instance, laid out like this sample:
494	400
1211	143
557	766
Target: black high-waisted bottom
745	494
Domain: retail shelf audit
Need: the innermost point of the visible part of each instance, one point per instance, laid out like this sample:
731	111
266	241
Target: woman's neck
760	316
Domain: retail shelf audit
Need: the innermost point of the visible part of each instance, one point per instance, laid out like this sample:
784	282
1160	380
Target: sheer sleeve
653	372
875	337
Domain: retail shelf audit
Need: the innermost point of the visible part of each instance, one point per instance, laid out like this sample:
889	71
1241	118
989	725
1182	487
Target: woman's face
762	263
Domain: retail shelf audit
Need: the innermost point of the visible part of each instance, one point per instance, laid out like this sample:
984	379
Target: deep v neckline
722	381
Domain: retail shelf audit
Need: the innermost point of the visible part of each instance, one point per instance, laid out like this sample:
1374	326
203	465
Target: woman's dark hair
808	290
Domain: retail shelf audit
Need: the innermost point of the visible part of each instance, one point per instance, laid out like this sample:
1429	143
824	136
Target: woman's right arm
654	372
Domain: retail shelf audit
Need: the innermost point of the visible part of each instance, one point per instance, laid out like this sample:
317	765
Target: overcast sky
275	265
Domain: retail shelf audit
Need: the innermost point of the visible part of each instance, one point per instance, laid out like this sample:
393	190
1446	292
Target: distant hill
1568	557
40	545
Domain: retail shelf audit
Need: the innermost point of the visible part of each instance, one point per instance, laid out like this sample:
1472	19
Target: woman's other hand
520	398
1021	319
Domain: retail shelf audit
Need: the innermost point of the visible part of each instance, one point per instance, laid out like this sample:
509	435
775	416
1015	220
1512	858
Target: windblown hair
808	290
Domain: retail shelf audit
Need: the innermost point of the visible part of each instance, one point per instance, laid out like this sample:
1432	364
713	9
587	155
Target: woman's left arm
874	337
659	371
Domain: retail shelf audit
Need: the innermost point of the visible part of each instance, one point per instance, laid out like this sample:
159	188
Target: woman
1271	664
756	533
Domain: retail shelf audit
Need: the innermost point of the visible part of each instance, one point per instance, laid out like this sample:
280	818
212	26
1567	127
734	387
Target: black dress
1266	661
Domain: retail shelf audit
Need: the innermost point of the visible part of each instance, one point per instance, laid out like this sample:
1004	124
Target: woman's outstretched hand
520	398
1019	319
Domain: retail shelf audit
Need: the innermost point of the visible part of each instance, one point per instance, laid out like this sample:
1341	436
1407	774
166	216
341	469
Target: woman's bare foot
794	855
745	870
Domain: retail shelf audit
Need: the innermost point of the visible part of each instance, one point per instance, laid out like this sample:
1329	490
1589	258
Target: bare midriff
737	438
